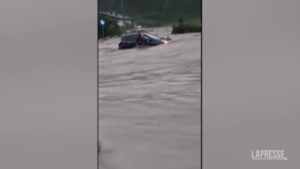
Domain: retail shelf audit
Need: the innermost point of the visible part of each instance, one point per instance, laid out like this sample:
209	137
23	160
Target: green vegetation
186	28
128	26
149	23
154	13
111	28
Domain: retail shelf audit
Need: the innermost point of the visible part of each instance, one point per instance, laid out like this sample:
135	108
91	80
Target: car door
129	41
132	41
149	41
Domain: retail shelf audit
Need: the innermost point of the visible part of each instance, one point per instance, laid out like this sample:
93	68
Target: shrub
178	29
192	28
185	28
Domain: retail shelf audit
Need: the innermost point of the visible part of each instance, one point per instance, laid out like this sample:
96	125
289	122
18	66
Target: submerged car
130	40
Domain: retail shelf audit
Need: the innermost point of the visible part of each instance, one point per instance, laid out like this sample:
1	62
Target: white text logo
268	155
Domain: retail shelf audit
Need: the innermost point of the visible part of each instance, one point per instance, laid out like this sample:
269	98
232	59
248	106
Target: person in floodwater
140	39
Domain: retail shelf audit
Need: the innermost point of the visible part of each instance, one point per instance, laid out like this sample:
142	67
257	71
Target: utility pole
102	22
122	6
103	32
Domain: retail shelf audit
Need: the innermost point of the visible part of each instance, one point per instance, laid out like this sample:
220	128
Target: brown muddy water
149	104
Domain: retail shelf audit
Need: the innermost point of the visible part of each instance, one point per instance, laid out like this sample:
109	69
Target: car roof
131	34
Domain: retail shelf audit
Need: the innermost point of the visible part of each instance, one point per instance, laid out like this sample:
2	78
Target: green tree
111	28
155	11
180	20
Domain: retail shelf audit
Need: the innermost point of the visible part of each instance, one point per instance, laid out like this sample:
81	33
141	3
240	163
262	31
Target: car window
152	36
146	38
129	37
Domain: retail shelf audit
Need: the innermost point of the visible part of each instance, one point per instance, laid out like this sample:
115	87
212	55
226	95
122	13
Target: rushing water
149	104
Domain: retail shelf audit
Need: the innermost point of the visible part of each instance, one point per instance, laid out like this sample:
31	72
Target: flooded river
149	104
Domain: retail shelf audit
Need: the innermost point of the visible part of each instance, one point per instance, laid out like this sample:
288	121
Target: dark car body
130	40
